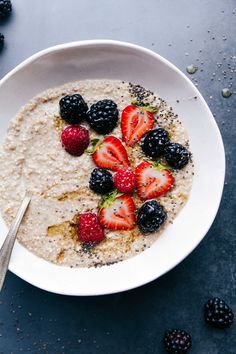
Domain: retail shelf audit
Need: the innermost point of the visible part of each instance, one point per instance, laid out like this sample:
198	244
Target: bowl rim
116	43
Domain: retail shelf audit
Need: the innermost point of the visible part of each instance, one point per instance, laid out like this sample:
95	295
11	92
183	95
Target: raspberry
89	229
124	180
75	139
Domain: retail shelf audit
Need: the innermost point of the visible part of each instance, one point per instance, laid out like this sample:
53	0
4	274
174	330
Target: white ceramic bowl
118	60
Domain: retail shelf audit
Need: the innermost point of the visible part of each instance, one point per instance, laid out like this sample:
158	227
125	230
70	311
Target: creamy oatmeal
33	159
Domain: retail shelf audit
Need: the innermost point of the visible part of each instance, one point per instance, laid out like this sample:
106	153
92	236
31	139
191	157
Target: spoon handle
6	250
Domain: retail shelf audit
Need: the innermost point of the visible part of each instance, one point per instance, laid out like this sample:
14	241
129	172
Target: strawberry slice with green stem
153	180
117	212
110	154
136	121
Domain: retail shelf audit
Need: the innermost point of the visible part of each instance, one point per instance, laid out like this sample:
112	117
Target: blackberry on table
154	142
151	216
5	8
176	155
101	181
177	341
1	41
73	108
217	313
103	116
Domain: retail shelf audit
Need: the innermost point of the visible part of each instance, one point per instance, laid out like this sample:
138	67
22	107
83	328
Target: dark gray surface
185	32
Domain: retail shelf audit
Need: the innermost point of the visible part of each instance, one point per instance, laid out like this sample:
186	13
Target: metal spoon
6	249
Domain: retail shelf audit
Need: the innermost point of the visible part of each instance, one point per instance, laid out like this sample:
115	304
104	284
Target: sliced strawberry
117	212
135	122
152	180
111	154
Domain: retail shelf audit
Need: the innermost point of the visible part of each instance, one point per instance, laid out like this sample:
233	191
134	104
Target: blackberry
177	341
176	155
101	181
217	313
5	8
151	216
103	116
154	142
73	108
1	41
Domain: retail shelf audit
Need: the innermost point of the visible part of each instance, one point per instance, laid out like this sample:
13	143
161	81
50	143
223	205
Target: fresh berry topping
73	108
124	180
117	212
177	341
218	313
153	180
176	155
1	41
75	139
111	154
151	216
89	228
135	122
154	142
101	181
103	116
5	8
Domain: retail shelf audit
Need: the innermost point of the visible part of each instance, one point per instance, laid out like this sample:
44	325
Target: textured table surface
185	32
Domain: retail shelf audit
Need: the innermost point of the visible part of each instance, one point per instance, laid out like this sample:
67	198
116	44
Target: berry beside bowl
113	172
